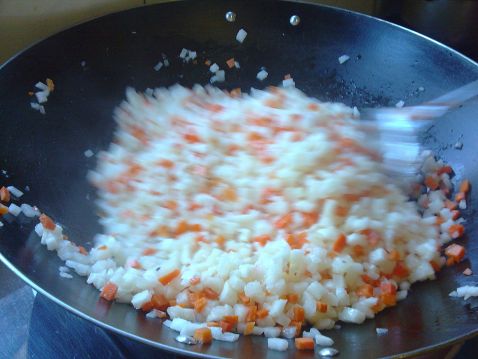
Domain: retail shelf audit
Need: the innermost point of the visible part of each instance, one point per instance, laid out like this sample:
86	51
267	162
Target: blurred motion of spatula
396	130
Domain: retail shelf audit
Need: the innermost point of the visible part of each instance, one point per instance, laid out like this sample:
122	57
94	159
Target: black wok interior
45	152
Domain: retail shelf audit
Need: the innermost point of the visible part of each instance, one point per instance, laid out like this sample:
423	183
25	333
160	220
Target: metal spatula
396	130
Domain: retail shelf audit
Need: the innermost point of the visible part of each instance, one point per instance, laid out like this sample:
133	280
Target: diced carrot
196	227
394	255
388	299
340	243
358	250
262	239
182	227
109	291
172	302
159	302
436	267
465	186
195	280
299	313
4	194
226	326
149	251
220	240
251	313
200	304
292	298
431	182
166	163
212	324
379	306
365	290
341	211
460	196
445	169
50	84
83	250
30	93
456	231
450	204
372	237
244	298
47	222
231	319
274	102
3	209
455	253
312	106
135	264
321	307
203	335
284	221
455	214
367	279
210	294
103	247
172	205
439	220
168	278
193	296
262	313
230	63
229	194
401	270
191	138
249	328
304	343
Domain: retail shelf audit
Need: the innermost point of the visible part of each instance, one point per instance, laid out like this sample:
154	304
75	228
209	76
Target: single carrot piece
168	278
135	264
50	84
340	243
388	299
262	239
341	211
284	221
231	319
3	209
455	253
249	328
166	163
312	106
456	231
47	222
226	326
439	220
196	227
358	250
251	313
182	227
321	307
372	237
160	302
455	214
149	251
401	270
212	324
445	169
394	255
465	186
195	280
367	279
299	314
191	138
4	194
230	63
365	290
83	250
431	182
244	298
292	298
210	294
103	247
436	267
460	196
200	304
109	291
229	194
304	343
262	313
203	335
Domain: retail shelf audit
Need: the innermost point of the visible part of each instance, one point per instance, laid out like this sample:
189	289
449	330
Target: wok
45	152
